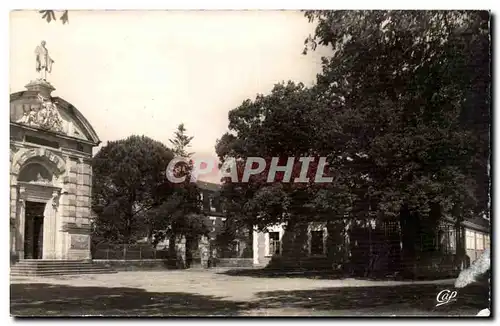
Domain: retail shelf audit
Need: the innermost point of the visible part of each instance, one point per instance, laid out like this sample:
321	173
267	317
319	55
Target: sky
145	72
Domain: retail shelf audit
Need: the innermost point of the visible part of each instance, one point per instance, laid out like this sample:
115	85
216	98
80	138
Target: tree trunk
189	250
288	240
408	238
172	254
433	228
460	256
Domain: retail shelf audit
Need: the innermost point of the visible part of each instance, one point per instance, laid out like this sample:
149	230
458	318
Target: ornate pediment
44	115
36	108
47	113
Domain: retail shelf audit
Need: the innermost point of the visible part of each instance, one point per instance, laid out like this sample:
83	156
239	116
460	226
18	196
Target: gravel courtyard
215	293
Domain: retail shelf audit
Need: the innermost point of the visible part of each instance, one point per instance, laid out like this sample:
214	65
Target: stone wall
76	208
137	265
232	262
14	225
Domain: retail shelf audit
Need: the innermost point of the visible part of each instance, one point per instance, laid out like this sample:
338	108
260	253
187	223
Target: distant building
314	245
330	245
212	208
238	245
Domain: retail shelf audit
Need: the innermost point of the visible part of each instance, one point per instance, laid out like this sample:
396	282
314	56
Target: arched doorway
34	211
38	202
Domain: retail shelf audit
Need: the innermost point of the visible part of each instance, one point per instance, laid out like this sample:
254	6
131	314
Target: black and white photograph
250	163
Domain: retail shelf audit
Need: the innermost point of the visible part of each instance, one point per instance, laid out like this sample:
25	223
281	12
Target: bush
433	265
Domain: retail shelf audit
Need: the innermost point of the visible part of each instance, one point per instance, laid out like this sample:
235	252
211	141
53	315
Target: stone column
49	227
21	205
255	246
83	200
59	240
180	251
67	207
83	186
69	202
204	251
70	186
13	220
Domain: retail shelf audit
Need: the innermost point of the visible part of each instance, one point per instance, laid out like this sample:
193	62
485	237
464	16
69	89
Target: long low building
319	245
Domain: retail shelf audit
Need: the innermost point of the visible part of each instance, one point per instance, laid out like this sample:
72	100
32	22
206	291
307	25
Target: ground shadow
280	273
40	299
419	299
316	274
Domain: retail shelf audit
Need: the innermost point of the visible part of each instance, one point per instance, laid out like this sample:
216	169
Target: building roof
478	223
203	185
25	108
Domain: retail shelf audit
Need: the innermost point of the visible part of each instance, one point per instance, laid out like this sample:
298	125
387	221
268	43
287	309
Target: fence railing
129	252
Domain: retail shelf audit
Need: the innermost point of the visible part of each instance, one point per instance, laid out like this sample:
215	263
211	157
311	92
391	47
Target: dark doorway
33	230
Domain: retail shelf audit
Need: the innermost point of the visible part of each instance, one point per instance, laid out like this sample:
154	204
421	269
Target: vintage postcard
250	163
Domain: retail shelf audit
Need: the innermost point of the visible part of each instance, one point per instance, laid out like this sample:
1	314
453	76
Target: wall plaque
79	241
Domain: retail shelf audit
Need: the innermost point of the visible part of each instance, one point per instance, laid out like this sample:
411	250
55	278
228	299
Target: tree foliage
50	15
286	123
181	142
411	92
129	179
401	109
181	213
133	198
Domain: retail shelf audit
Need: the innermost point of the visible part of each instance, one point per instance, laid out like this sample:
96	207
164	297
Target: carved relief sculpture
55	199
45	116
40	179
22	195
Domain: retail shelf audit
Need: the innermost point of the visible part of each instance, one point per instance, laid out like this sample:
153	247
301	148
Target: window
212	205
470	240
41	141
452	237
479	241
486	241
317	247
236	246
448	240
206	202
274	243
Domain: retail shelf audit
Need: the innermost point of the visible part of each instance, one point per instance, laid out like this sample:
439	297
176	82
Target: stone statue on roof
43	61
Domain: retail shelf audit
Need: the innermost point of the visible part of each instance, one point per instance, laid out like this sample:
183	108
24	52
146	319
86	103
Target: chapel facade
51	146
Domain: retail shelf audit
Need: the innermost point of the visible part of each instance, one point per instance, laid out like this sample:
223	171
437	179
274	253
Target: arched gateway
50	176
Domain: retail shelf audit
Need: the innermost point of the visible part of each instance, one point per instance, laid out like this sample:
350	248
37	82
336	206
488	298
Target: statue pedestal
40	86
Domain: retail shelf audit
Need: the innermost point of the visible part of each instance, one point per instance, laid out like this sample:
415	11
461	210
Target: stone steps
59	272
35	267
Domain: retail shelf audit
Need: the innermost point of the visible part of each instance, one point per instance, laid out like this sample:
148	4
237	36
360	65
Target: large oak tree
402	111
411	92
